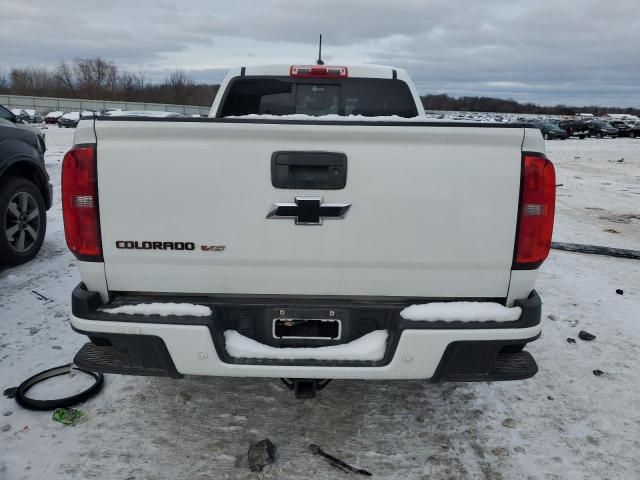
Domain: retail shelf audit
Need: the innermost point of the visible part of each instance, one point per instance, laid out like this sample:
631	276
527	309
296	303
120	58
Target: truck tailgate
433	209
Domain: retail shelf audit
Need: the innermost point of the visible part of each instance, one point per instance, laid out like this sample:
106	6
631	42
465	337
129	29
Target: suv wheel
23	221
599	135
546	136
632	134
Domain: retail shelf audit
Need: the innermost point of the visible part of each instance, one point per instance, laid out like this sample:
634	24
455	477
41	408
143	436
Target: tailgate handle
309	170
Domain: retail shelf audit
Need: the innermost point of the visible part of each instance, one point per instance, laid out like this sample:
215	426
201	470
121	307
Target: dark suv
550	131
25	191
599	129
576	128
624	129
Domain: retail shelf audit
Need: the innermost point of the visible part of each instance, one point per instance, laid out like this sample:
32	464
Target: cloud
507	84
533	50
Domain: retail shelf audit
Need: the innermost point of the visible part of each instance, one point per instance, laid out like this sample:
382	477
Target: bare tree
19	81
64	73
95	77
180	85
128	86
30	80
4	82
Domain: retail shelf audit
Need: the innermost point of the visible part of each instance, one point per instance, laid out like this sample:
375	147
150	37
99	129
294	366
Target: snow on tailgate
162	309
461	312
368	347
335	118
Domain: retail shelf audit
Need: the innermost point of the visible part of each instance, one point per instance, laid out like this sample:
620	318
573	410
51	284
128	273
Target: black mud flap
485	361
128	355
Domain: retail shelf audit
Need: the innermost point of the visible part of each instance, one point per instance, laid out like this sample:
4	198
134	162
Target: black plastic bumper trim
485	360
86	304
126	354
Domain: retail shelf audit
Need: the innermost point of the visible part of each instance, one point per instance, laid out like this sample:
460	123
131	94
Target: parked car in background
52	117
34	116
574	128
28	115
622	127
25	191
107	111
599	129
69	120
634	130
550	131
21	115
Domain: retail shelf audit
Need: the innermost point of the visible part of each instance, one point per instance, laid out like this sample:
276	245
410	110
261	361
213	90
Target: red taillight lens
535	213
312	71
80	203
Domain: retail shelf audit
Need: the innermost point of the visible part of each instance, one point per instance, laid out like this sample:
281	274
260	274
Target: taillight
535	212
80	203
313	71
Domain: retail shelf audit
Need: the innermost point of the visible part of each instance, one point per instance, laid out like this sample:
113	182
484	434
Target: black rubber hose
597	250
33	404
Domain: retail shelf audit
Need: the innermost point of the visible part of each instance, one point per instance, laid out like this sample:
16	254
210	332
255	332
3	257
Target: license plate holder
296	328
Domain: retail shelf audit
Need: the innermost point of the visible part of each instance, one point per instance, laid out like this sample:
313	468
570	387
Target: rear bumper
175	346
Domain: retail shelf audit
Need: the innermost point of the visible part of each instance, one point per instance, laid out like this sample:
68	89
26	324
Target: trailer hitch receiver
305	387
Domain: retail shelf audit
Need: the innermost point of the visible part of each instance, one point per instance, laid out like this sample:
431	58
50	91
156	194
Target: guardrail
51	104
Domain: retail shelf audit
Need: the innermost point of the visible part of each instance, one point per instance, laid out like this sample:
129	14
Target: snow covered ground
568	422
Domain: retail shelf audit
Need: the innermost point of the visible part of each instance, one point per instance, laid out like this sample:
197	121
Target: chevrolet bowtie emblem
308	210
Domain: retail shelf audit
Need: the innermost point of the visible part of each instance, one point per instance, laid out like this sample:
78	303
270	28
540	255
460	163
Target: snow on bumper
417	354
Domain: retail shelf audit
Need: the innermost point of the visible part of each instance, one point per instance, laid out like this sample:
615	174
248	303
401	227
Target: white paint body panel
84	132
94	278
433	209
533	141
193	353
521	284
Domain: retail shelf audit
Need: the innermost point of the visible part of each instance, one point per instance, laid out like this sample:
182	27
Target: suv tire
23	220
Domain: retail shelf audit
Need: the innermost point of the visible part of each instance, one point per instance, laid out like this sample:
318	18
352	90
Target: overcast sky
546	51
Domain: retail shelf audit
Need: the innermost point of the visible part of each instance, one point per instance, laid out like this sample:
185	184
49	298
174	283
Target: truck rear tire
23	220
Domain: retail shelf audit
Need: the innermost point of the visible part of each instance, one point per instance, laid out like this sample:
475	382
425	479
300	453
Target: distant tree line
99	79
489	104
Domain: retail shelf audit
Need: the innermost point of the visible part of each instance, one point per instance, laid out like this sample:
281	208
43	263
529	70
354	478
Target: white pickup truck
317	226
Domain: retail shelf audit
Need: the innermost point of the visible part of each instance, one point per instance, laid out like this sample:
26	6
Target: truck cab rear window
370	97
